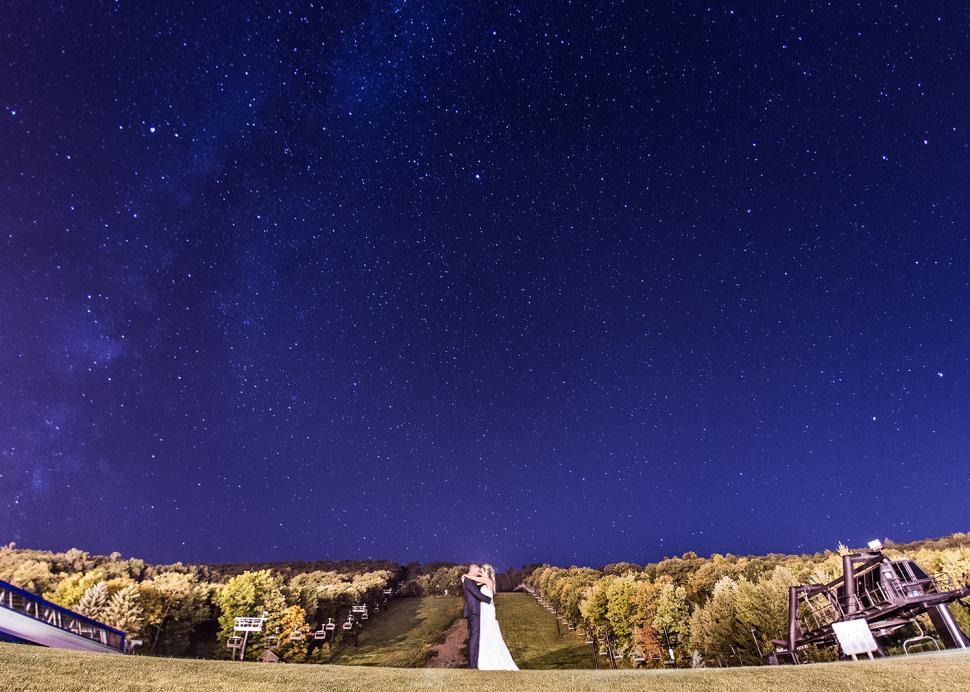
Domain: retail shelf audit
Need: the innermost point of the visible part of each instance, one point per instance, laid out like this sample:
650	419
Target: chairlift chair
320	635
234	642
330	626
296	635
349	624
921	639
364	615
273	639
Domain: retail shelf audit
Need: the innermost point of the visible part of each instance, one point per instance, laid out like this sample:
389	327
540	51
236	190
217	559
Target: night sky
538	281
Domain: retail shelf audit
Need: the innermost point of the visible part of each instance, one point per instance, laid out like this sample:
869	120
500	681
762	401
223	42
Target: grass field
401	635
533	639
35	668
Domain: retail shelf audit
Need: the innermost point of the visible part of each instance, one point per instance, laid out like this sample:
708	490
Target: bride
492	652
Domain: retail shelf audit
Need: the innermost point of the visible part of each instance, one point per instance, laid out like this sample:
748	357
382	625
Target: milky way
449	280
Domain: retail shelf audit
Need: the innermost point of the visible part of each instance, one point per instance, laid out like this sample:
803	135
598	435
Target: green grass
48	670
533	638
401	636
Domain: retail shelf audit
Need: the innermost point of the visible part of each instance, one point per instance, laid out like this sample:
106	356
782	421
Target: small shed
268	657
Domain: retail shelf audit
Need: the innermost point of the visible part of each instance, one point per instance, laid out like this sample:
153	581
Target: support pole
947	628
848	572
242	653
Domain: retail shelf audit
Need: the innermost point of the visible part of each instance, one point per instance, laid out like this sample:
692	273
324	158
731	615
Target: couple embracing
486	647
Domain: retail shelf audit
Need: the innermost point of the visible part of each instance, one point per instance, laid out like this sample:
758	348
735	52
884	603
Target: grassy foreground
401	636
35	668
533	638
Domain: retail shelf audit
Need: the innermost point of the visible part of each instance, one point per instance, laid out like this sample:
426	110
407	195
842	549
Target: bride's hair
490	572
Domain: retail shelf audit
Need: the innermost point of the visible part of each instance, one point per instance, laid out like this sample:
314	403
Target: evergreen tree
94	601
124	611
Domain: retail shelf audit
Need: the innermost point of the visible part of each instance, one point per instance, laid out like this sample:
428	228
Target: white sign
855	637
248	625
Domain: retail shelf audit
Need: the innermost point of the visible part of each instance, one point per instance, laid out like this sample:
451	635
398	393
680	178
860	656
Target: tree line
722	610
189	610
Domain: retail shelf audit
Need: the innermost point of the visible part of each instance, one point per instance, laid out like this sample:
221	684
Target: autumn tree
174	604
32	575
291	648
715	629
71	588
251	594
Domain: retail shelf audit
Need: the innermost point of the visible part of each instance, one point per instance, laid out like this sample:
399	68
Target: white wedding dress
492	652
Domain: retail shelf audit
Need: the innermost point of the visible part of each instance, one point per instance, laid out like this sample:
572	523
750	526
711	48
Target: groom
473	611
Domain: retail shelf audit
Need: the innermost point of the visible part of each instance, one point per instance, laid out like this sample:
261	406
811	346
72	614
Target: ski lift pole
757	645
242	652
609	650
669	642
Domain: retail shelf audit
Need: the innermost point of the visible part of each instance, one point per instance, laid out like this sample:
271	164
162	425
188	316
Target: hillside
533	637
403	634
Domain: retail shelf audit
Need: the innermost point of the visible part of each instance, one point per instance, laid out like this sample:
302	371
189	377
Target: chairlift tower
884	593
245	625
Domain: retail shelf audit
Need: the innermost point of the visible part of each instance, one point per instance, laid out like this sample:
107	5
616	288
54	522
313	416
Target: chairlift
330	626
349	624
296	635
234	643
320	635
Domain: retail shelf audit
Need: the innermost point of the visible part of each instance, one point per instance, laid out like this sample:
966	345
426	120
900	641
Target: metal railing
33	606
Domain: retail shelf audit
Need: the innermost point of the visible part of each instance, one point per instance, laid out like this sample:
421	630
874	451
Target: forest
721	610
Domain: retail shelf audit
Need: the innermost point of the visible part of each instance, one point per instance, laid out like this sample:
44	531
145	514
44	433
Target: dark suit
473	613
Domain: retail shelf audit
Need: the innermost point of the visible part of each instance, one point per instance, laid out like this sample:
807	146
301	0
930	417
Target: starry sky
538	281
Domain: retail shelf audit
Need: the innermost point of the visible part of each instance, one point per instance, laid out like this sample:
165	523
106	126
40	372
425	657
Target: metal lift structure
887	594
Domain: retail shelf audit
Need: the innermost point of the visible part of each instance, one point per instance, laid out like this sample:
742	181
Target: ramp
28	617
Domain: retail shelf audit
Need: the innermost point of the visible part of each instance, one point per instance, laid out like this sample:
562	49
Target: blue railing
29	604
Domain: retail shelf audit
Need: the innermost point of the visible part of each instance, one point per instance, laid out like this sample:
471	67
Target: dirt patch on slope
450	652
